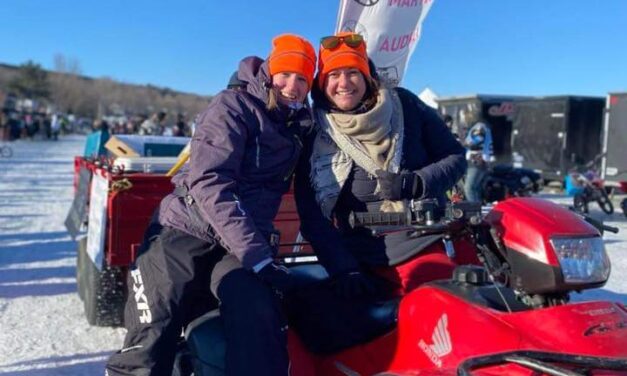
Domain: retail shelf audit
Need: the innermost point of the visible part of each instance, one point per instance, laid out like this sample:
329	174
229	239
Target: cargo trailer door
615	138
539	136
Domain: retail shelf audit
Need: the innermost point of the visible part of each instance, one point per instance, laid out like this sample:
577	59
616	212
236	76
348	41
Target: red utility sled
132	198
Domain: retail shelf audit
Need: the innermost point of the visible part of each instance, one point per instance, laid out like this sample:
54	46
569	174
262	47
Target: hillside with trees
65	90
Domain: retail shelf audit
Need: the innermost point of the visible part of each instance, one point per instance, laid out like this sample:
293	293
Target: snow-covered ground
42	327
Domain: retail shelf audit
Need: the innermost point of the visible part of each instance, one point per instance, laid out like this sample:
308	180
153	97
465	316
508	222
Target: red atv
489	296
506	313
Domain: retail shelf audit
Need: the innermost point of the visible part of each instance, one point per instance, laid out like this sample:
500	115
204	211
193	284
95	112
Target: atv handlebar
422	216
357	219
425	216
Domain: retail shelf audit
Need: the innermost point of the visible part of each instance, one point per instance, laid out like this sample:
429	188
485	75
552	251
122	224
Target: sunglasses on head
352	40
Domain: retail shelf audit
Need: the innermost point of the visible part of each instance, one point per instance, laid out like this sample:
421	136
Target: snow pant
169	286
472	184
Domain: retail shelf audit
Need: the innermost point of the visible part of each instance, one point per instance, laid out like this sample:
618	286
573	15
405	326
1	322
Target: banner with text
97	225
391	29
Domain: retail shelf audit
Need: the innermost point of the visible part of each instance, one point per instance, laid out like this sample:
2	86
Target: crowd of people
29	125
157	124
48	125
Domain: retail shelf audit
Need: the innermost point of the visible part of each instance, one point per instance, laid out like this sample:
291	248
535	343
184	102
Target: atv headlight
583	260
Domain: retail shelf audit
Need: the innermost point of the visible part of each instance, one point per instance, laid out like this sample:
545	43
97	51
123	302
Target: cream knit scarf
373	140
377	133
371	129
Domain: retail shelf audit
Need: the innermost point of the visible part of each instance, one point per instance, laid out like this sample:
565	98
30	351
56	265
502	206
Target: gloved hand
405	185
353	284
277	276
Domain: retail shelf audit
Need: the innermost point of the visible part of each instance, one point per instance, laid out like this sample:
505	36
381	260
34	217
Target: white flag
391	29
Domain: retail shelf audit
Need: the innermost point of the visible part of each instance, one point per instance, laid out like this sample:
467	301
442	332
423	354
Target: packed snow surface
43	330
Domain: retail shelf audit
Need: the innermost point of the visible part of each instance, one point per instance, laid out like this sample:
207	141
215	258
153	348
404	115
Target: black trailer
614	164
496	110
554	134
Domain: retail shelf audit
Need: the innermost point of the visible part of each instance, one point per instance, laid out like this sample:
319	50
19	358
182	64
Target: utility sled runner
505	313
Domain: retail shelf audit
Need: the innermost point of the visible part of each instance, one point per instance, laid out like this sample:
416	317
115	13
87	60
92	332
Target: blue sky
533	47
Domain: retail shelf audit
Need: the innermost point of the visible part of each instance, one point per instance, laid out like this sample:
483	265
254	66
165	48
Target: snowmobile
487	294
503	181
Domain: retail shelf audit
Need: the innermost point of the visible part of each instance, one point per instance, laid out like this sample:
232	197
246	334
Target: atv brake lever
600	226
596	223
611	229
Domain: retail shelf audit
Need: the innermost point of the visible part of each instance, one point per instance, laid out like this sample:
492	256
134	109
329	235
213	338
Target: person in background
180	127
214	234
132	125
55	125
448	121
478	142
14	124
4	128
153	126
95	144
47	124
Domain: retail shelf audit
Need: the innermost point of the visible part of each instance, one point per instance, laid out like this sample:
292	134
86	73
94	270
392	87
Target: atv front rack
543	362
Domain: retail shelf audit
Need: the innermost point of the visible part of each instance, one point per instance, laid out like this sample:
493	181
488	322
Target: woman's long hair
273	100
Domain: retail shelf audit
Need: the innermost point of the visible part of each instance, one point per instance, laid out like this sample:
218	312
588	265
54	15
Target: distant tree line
66	90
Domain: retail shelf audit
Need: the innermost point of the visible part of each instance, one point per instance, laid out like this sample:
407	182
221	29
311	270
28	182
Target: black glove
277	276
405	185
353	284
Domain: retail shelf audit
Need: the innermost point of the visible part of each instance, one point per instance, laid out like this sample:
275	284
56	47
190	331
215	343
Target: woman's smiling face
290	87
345	88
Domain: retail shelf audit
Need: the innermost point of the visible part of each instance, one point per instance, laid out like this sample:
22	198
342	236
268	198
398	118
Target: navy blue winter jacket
242	159
429	148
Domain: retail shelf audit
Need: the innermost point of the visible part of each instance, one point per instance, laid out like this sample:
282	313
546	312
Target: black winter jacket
429	149
242	159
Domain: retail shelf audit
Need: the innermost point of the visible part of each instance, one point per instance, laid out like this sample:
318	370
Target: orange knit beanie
291	53
342	56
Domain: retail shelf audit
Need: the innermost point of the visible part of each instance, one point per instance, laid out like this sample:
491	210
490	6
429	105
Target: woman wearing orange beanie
376	148
213	237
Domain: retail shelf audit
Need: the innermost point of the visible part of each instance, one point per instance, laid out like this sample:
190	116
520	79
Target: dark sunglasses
352	41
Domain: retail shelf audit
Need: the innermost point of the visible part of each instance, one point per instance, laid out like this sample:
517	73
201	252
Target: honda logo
441	342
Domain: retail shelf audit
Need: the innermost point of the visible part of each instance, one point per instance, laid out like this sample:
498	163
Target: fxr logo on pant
141	300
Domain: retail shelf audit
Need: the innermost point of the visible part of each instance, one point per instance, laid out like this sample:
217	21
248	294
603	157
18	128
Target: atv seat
205	335
206	341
